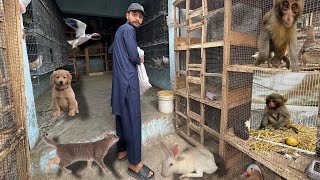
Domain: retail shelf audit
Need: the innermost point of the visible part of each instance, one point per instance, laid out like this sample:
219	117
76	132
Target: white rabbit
191	163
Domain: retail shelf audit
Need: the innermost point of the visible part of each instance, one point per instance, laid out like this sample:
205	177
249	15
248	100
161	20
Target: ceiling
105	8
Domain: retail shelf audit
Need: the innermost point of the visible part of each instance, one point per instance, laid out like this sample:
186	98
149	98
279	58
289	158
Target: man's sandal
143	174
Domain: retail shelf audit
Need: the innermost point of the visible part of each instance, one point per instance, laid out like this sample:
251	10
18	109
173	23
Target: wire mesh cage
156	55
14	149
45	36
219	39
308	36
301	91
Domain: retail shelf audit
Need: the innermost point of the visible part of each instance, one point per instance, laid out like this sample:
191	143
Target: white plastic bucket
165	101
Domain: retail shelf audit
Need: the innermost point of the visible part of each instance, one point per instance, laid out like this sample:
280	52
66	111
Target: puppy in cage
62	94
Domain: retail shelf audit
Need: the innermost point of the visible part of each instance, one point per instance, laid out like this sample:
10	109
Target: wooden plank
211	131
195	46
203	69
180	41
194	127
180	92
240	68
181	114
195	26
181	71
242	39
195	13
194	65
195	96
251	68
213	74
194	69
214	12
194	116
187	62
180	48
215	104
225	79
213	44
194	80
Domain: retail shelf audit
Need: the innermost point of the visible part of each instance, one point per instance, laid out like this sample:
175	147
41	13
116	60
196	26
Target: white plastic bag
142	75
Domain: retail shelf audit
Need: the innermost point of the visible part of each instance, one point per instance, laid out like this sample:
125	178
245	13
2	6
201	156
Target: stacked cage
45	35
14	149
215	80
153	35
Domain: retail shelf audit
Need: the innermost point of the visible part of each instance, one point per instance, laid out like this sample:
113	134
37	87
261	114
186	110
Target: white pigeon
23	5
81	36
36	63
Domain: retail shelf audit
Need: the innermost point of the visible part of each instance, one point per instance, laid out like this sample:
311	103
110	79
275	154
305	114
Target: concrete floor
93	96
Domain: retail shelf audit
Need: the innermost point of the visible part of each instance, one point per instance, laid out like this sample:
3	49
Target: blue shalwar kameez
125	98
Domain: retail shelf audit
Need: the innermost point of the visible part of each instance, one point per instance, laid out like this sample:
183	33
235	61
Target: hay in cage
306	138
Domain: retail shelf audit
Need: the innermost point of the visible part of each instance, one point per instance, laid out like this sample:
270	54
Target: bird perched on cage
157	62
36	63
165	60
253	172
23	5
81	36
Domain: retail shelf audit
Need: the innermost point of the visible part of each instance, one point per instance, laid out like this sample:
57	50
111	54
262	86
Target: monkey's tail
45	138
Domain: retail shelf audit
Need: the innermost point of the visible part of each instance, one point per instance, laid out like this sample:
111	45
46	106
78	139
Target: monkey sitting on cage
276	114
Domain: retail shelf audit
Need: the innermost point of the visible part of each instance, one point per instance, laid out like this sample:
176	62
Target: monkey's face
289	11
272	103
275	100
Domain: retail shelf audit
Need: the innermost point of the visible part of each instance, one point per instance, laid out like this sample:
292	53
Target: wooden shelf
194	116
272	160
181	92
251	68
198	45
181	114
194	80
211	131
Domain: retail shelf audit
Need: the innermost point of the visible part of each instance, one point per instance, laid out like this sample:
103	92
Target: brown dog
62	94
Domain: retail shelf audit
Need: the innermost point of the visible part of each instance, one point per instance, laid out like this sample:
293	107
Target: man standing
125	98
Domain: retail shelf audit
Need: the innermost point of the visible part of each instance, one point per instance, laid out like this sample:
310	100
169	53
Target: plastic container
166	101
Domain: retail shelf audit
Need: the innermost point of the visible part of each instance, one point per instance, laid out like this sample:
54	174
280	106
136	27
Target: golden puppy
62	94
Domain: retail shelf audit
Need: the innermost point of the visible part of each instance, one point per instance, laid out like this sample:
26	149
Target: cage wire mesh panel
153	36
14	150
45	36
309	36
198	73
302	92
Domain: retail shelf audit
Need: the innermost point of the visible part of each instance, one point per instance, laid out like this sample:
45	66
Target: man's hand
142	59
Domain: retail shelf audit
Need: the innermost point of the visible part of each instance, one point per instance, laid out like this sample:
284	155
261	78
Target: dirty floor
95	118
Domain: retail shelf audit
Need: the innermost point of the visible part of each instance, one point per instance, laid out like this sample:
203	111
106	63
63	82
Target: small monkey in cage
279	34
276	113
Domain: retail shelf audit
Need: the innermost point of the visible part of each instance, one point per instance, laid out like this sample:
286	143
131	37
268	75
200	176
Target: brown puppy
62	94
